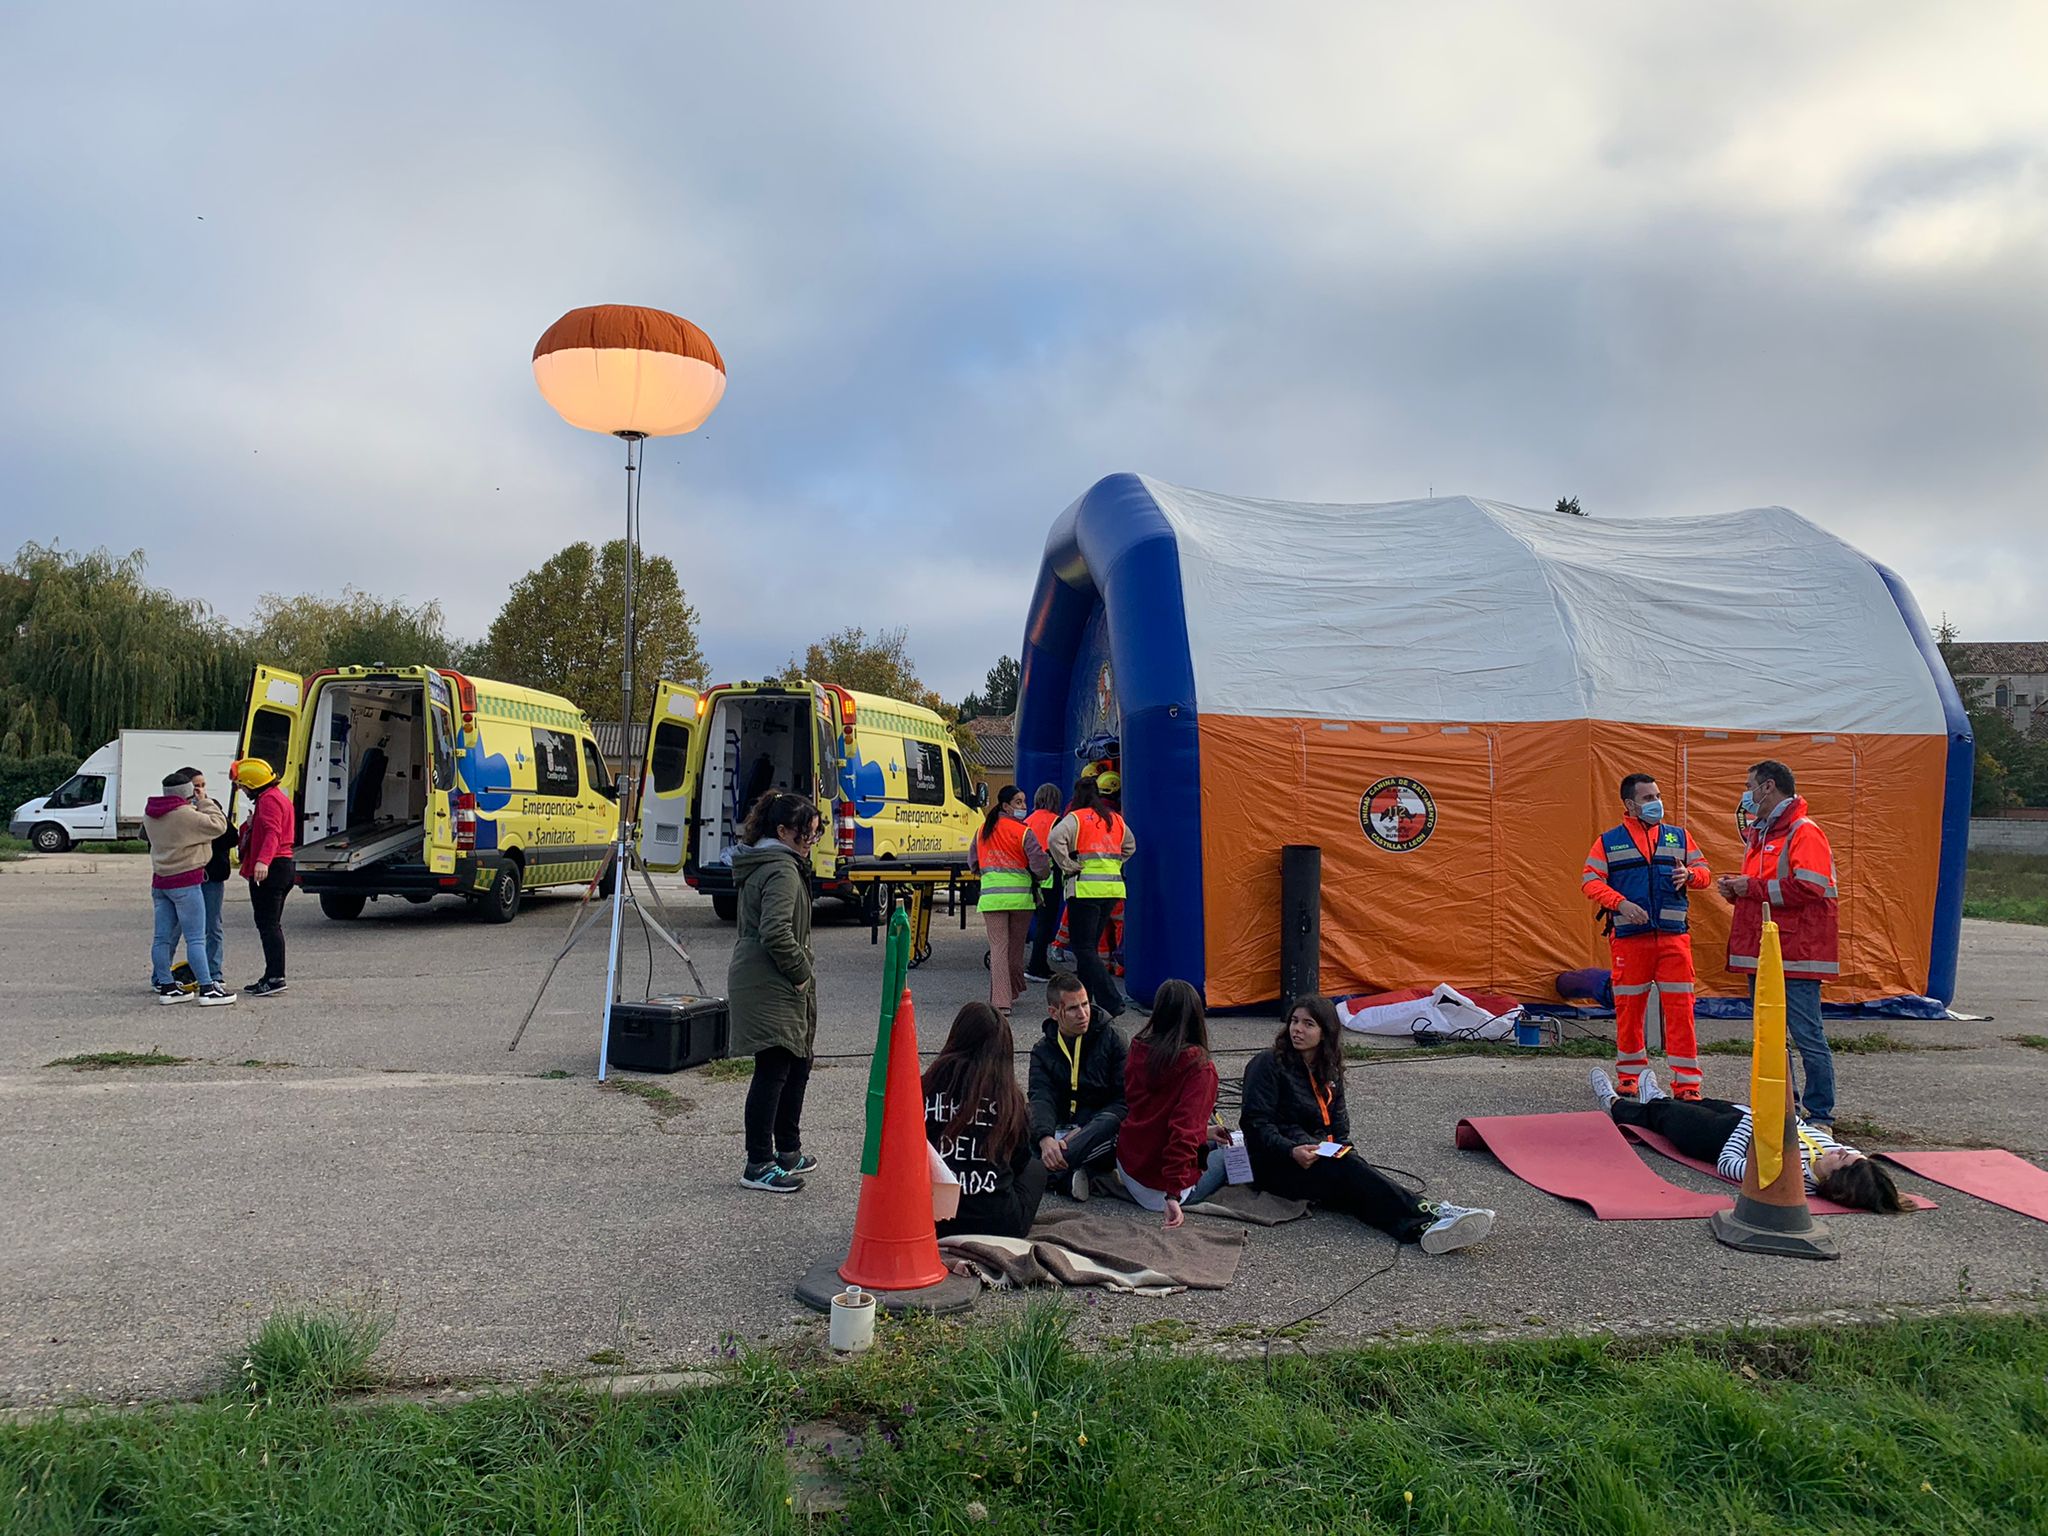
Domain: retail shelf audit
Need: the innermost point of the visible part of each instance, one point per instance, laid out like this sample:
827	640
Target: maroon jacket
1161	1139
267	836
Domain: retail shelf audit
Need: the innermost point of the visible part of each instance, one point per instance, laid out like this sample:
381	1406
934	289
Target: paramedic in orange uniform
1638	874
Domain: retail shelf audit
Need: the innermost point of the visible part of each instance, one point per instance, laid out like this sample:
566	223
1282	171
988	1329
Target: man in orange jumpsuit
1638	874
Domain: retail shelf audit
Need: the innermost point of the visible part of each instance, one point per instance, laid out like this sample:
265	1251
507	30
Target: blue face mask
1650	812
1747	804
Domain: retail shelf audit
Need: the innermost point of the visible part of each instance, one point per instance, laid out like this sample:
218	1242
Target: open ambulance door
829	722
270	726
669	777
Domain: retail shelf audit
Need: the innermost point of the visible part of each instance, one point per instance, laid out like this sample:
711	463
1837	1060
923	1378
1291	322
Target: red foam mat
1814	1203
1581	1156
2002	1178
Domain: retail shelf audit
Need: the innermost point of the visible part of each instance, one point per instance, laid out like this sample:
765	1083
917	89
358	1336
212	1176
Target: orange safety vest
1042	823
1100	850
1005	868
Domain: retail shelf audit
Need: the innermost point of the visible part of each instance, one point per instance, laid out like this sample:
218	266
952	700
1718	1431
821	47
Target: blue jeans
1803	1023
179	913
213	893
1810	1039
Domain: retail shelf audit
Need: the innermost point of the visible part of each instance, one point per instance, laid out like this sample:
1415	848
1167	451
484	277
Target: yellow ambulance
422	782
886	773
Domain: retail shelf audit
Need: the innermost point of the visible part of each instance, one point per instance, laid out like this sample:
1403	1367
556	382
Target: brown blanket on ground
1117	1251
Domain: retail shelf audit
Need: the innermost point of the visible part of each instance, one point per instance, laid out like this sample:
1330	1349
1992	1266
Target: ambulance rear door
669	777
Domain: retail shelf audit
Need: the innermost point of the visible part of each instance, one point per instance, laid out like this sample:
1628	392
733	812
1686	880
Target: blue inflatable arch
1109	593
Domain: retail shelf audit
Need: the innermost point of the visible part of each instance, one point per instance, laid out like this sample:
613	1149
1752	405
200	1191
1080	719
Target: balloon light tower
632	373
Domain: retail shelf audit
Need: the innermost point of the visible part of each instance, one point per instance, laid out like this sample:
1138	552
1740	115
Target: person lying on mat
975	1116
1077	1088
1716	1130
1170	1090
1298	1131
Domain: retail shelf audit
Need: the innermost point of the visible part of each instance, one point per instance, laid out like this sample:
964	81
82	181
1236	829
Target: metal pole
611	966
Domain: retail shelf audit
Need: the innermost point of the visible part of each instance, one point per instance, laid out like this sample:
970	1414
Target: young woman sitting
1170	1090
1297	1128
1717	1131
975	1115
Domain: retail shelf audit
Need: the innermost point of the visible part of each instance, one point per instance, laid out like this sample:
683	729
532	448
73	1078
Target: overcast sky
270	284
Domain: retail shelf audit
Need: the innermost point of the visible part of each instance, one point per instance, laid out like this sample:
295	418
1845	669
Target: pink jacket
267	835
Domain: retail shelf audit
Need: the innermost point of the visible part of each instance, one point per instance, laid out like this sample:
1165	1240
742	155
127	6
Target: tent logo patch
1397	814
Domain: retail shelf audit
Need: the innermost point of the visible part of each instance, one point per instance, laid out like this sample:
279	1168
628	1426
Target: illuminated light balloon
629	371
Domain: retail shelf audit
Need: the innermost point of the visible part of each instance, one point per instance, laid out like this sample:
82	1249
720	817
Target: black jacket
217	869
1280	1111
1054	1102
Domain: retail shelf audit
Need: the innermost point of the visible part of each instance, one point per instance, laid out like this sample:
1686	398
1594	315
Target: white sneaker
1647	1089
1456	1226
1079	1186
1603	1089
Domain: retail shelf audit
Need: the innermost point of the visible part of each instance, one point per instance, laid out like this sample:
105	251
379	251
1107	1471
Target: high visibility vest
1005	871
1042	823
1647	881
1100	850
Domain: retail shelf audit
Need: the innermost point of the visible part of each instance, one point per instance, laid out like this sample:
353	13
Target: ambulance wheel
342	905
501	901
50	838
727	905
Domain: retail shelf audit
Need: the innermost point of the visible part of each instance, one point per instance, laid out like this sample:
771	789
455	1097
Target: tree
1946	633
1001	688
881	665
1570	504
306	633
88	648
559	628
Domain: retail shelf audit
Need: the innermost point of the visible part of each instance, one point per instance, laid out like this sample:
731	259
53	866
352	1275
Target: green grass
2007	887
17	848
2031	1042
1916	1427
665	1104
313	1352
107	1061
729	1069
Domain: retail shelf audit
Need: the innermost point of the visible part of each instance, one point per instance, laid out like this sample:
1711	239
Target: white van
103	800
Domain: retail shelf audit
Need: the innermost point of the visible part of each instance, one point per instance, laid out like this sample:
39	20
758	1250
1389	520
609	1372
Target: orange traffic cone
895	1243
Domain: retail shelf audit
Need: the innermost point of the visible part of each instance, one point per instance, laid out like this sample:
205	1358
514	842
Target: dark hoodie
1055	1099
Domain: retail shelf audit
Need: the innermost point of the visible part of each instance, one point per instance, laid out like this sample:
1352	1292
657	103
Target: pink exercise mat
2002	1178
1581	1156
1814	1203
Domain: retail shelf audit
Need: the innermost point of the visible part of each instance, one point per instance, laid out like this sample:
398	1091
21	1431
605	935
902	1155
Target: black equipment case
667	1034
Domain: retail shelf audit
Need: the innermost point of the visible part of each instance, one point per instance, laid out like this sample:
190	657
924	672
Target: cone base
1782	1231
954	1293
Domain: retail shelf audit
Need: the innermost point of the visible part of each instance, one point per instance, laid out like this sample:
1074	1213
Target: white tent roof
1454	609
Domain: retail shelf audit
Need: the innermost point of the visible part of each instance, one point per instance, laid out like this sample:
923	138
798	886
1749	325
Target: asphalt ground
368	1137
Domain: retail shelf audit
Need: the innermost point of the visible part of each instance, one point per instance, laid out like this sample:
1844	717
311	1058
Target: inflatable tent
1444	694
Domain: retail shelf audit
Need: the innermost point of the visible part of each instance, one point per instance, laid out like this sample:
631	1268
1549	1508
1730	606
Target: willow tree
88	648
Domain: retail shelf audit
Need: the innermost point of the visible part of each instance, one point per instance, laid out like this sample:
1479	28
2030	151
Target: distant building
2010	676
991	750
608	743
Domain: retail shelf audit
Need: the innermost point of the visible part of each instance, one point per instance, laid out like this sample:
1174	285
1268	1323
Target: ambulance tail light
465	823
845	829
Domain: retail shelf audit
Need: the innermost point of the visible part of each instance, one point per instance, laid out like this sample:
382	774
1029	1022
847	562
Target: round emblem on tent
1397	814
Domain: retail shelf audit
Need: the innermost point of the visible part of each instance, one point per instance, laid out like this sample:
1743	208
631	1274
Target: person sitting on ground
975	1116
1294	1108
1717	1131
181	824
1170	1090
1076	1088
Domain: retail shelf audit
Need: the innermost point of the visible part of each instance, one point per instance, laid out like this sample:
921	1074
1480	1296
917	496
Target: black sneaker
801	1164
265	988
771	1177
214	995
171	992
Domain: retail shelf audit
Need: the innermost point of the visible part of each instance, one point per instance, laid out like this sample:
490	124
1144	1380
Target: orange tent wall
1492	898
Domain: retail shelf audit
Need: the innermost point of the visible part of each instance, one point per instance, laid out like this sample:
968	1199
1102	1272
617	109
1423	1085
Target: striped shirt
1814	1144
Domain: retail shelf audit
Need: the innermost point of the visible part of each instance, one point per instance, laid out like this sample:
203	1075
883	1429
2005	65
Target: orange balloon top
628	327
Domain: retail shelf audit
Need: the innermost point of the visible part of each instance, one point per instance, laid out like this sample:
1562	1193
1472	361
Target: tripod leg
666	927
584	913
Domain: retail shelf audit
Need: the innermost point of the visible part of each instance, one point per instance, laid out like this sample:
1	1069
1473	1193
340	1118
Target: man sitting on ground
1077	1088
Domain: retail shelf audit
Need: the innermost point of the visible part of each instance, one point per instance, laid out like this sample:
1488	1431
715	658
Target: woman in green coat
773	994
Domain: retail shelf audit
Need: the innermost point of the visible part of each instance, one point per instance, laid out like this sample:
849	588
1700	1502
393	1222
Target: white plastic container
853	1320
